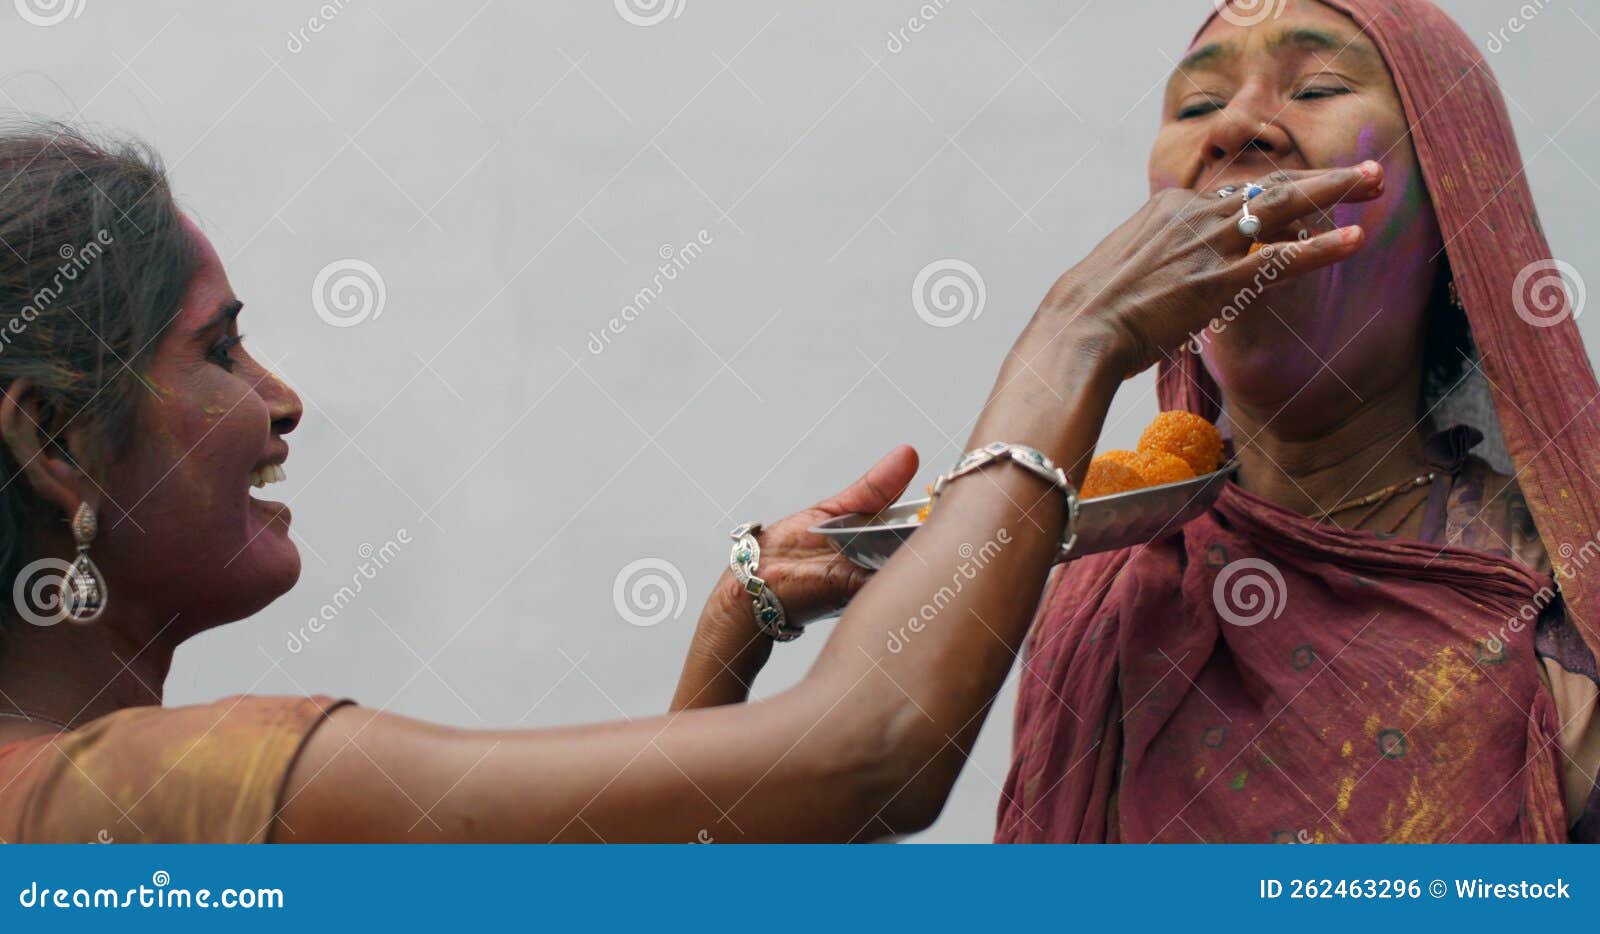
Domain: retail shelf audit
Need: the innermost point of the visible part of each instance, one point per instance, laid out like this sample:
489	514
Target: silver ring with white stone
1249	224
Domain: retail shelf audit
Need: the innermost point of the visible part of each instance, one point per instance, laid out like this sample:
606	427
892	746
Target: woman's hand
810	576
1172	267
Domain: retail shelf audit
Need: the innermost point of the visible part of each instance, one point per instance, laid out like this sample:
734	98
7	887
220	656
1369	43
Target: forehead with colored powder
209	290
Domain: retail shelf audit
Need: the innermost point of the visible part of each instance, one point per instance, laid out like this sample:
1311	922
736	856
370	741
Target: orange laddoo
1158	467
1186	435
1122	471
1111	472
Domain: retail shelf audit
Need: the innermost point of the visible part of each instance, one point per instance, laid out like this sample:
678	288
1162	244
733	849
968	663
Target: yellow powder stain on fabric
1438	687
1347	787
1347	749
1200	773
1424	822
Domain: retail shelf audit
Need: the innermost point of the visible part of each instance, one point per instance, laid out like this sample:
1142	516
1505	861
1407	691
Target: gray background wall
510	171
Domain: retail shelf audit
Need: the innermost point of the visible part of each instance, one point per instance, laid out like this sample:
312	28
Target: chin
267	571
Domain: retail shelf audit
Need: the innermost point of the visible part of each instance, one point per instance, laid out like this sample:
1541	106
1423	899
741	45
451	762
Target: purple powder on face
1365	147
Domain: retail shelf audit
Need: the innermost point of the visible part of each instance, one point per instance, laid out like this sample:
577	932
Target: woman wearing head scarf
1363	639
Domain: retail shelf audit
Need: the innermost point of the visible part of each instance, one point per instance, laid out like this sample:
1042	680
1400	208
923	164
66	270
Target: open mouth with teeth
271	473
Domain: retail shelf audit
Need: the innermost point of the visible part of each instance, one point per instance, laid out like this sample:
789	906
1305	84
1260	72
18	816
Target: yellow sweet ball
1185	435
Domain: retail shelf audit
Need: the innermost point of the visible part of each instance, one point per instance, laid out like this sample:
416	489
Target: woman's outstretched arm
871	740
867	744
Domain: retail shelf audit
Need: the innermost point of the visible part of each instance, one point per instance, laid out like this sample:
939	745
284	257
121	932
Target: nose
1246	125
283	404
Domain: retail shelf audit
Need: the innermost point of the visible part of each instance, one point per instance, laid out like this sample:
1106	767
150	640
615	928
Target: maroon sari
1260	678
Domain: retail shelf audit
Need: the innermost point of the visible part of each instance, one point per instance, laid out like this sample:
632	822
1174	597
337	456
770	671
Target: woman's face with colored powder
210	422
1305	89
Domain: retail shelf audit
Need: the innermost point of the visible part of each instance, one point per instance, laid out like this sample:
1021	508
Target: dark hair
93	264
1448	351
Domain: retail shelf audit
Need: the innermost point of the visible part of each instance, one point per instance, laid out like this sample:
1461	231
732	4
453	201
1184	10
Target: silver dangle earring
83	589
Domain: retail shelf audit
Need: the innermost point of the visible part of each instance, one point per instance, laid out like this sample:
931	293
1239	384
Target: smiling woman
1343	649
135	425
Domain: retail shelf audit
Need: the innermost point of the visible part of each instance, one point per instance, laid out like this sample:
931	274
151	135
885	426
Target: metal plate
1105	523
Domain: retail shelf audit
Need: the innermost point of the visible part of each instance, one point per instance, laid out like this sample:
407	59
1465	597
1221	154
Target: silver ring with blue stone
744	561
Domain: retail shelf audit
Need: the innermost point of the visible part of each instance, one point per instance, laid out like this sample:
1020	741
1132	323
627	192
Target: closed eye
1198	109
1318	93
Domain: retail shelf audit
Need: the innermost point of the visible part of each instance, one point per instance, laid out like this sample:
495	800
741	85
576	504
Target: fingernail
1369	168
1350	234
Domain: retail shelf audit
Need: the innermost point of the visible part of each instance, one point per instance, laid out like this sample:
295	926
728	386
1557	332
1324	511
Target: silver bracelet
744	561
1029	459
